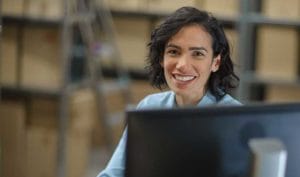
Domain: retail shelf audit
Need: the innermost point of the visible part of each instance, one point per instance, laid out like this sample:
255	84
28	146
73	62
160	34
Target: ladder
88	16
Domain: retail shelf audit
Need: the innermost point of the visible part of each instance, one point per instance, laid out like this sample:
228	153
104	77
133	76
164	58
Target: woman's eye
172	52
198	53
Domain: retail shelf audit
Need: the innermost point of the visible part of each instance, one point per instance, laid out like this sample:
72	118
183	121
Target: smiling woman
188	62
189	54
201	33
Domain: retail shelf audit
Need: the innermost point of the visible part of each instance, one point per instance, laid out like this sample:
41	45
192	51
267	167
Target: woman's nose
183	62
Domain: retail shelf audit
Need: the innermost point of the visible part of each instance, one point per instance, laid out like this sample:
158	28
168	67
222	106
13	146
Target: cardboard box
168	6
46	9
221	7
42	144
277	53
45	112
83	113
132	37
79	145
289	9
83	110
12	7
42	58
282	93
42	112
127	5
12	139
41	151
42	137
139	89
232	37
42	132
117	125
9	49
116	104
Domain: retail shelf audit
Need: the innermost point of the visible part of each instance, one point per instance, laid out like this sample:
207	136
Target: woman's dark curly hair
220	82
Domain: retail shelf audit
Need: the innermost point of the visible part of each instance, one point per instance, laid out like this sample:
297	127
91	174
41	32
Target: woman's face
188	62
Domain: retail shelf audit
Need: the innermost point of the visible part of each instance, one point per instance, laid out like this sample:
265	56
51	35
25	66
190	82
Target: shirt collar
207	99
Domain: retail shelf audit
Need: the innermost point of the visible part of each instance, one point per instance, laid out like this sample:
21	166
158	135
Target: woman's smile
183	78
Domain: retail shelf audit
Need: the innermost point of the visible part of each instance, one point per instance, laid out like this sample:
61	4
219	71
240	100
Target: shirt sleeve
116	165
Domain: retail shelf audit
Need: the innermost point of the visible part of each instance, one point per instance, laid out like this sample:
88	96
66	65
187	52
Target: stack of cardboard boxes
29	136
278	56
168	6
12	7
133	34
31	53
43	9
41	59
8	65
36	51
132	37
12	139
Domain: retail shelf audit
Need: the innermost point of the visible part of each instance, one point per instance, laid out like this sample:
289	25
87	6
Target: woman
188	53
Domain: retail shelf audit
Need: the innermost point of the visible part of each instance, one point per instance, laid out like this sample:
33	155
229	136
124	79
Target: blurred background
70	68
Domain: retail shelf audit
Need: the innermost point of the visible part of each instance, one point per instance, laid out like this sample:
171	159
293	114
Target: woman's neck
189	100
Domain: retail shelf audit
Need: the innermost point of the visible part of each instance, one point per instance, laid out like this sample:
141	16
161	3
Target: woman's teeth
184	78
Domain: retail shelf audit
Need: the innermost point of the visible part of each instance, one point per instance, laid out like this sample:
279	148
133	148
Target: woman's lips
183	78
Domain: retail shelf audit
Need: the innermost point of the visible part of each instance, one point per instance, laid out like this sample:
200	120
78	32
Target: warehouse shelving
245	24
9	91
263	20
30	20
250	19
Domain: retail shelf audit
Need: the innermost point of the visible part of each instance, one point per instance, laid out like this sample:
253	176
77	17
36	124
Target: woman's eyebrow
190	48
173	45
198	48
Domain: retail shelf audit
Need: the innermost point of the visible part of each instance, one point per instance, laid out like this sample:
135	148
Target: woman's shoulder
157	100
228	100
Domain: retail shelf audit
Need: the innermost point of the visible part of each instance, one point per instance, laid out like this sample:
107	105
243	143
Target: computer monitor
208	141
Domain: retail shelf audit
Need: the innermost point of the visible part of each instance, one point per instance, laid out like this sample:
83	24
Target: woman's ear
216	63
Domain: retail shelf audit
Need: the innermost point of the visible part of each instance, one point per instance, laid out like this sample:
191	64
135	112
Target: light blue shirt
116	165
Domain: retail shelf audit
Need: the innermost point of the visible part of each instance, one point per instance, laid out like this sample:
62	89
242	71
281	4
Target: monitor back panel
210	141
